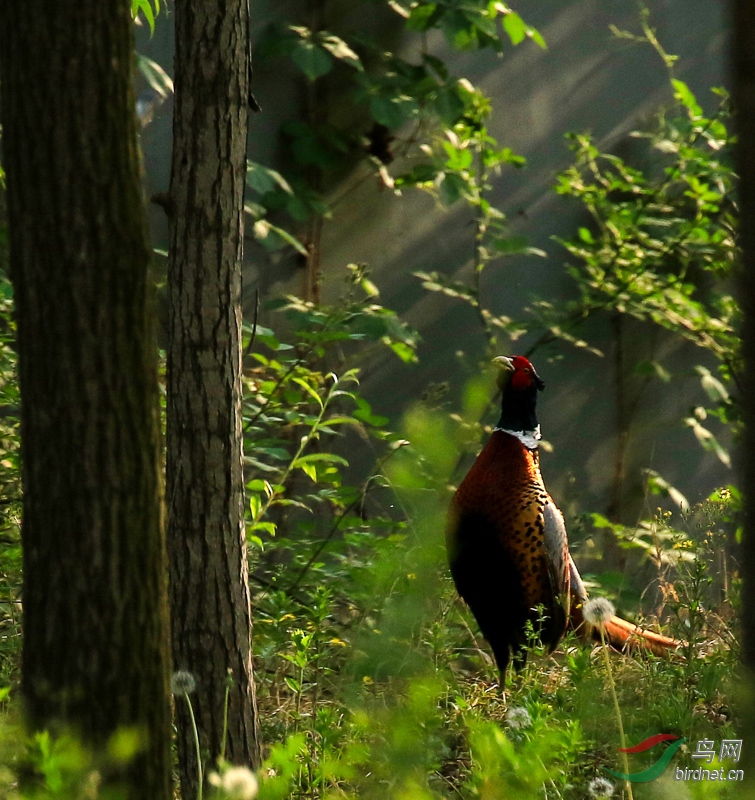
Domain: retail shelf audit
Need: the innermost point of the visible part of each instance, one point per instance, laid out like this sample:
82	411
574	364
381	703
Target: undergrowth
395	695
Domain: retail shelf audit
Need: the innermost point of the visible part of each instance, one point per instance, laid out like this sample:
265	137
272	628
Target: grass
428	720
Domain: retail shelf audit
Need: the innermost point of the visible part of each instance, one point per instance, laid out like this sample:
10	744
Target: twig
248	348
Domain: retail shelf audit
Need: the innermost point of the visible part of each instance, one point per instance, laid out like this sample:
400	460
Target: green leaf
683	94
661	486
369	288
392	112
652	369
449	105
342	421
715	390
514	26
452	187
155	75
144	7
364	414
599	521
398	8
311	59
537	38
316	457
262	179
458	159
321	147
422	17
263	526
708	441
405	353
666	146
255	505
516	245
274	238
310	470
458	29
253	462
508	156
263	486
340	50
309	390
484	23
437	65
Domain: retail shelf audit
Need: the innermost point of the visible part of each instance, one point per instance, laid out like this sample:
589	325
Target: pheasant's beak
505	366
504	363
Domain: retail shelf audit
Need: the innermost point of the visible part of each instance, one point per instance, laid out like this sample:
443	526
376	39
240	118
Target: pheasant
506	539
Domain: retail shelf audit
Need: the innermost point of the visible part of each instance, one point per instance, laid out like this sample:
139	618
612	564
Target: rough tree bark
206	538
95	653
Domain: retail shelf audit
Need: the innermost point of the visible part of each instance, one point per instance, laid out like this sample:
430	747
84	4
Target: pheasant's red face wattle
521	380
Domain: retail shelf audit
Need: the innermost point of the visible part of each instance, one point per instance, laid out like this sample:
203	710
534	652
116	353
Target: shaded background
586	81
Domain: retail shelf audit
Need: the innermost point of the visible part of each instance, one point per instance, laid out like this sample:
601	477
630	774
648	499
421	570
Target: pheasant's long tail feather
619	633
625	635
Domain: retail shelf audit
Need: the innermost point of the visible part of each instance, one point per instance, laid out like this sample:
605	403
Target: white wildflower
598	611
182	682
91	788
600	787
518	718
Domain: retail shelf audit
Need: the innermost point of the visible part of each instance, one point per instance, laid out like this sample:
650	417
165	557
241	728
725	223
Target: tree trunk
94	591
206	536
743	74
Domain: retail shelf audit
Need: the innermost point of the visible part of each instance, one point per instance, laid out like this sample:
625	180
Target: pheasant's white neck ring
528	438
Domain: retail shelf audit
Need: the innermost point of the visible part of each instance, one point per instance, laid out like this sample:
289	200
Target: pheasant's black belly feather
488	580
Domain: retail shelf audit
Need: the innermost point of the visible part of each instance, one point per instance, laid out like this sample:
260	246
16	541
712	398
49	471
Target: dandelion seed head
239	783
182	682
598	611
600	787
518	718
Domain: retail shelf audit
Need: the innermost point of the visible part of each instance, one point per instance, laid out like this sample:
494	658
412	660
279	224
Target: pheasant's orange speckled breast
505	486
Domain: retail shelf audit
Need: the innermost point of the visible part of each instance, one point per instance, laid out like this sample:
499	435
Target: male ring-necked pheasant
506	539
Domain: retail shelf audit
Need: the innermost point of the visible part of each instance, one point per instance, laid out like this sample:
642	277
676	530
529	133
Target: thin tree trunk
206	537
95	656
